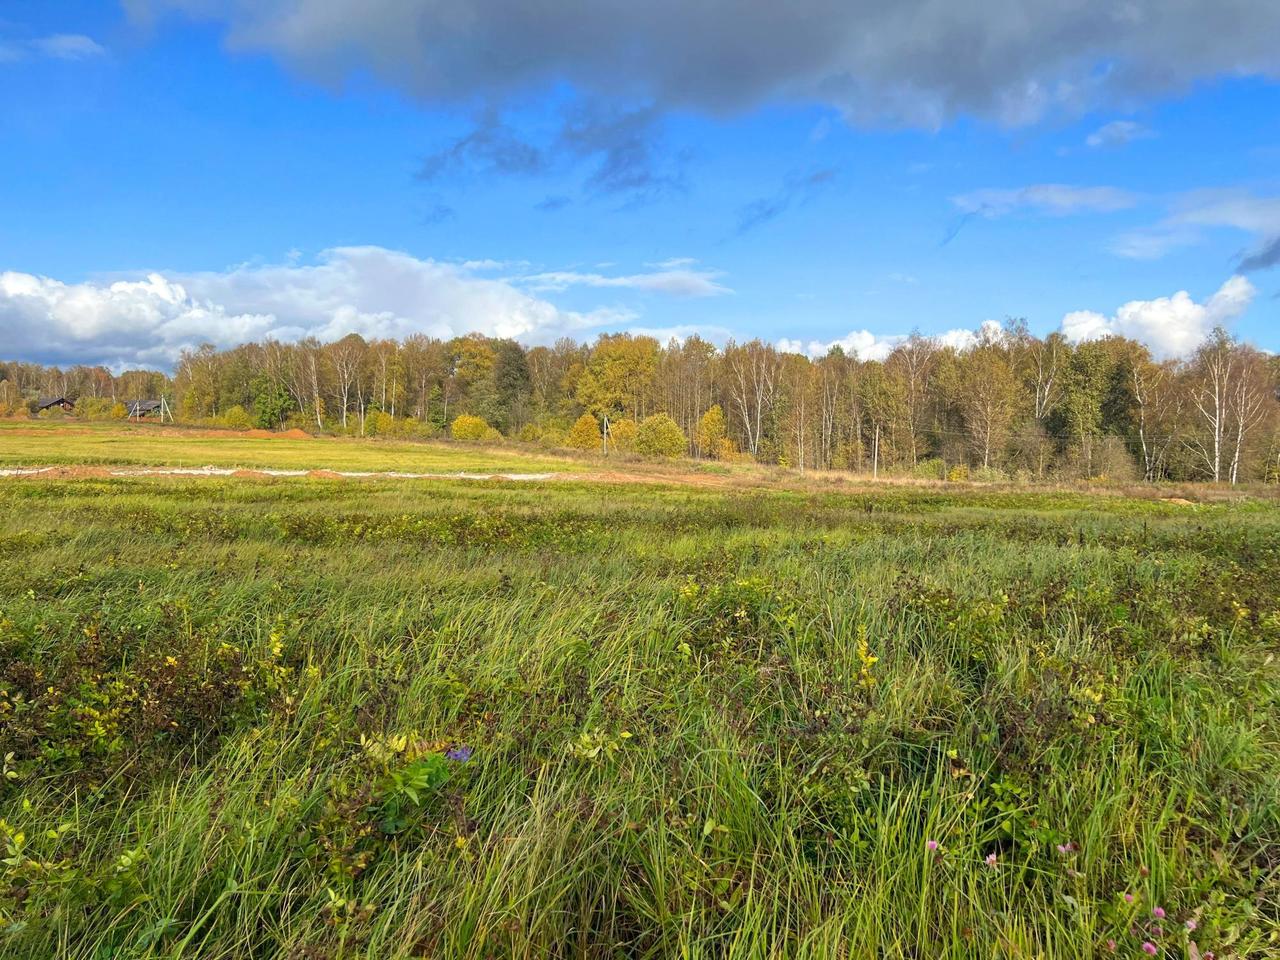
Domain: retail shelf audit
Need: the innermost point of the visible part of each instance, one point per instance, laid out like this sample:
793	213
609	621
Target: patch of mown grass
321	719
83	443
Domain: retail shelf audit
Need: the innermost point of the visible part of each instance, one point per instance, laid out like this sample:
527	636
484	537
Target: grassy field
60	442
317	718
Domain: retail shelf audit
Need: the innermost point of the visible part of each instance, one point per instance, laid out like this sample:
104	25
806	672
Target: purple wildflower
991	859
460	754
1158	913
1111	946
931	845
1149	948
1128	898
1191	925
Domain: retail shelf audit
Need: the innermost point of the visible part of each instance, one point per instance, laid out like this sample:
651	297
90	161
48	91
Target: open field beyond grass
28	442
312	718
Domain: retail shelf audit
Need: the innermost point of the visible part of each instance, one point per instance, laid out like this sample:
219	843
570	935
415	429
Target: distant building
49	403
137	409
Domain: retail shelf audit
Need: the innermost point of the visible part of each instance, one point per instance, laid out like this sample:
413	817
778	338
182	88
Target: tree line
1009	404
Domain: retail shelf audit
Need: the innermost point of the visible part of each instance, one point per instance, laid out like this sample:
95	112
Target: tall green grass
704	724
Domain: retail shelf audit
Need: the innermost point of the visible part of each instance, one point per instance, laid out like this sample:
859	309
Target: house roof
142	406
44	403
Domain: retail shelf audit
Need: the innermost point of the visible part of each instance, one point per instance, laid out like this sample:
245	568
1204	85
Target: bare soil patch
294	434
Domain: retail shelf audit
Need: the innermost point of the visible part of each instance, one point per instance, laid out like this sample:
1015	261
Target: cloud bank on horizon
1171	326
368	290
380	293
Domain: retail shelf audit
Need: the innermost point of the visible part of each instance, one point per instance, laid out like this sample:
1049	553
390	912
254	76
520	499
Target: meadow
84	443
318	718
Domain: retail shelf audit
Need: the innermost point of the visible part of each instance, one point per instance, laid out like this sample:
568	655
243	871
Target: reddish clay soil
294	434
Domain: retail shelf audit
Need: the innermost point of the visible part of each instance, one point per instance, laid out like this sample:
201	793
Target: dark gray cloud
621	147
491	147
1265	257
552	203
956	225
915	62
796	189
624	146
438	213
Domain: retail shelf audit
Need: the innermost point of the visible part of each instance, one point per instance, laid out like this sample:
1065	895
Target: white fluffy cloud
1117	133
1193	213
860	343
69	46
682	332
1171	326
367	290
675	277
57	46
866	345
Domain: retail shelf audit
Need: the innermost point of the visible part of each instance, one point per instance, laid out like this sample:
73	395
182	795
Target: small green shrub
660	436
712	431
379	423
584	434
468	427
931	469
236	417
622	435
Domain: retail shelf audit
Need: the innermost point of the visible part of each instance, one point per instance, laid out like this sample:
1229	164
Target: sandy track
212	471
74	472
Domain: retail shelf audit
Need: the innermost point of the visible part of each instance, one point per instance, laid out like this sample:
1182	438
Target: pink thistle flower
991	859
1111	946
931	845
1128	898
1150	948
1209	955
1158	913
1063	848
1191	925
1157	931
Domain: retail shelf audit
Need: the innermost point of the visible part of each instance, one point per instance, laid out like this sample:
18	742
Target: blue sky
324	167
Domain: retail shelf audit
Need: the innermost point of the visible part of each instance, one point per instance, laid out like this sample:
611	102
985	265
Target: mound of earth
294	434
